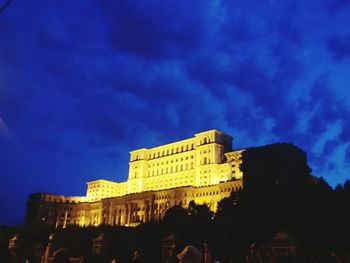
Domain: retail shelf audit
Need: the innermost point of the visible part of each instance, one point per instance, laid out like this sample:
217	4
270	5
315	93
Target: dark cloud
331	166
330	146
73	153
326	107
83	84
289	26
286	123
49	145
339	46
317	124
336	5
239	30
112	155
347	155
209	70
345	134
156	30
11	106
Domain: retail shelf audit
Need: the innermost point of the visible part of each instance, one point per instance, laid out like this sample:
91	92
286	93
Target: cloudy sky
82	83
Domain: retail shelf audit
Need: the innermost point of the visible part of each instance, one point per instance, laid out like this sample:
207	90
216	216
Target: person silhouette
190	254
60	256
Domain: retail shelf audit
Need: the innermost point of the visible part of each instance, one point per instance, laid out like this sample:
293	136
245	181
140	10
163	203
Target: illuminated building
203	168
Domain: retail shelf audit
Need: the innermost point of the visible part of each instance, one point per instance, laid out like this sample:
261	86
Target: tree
175	214
200	212
228	205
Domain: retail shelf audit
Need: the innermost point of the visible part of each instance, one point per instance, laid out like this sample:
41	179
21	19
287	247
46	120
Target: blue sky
82	83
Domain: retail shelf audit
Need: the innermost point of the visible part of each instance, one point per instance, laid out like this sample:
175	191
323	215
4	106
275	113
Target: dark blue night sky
82	83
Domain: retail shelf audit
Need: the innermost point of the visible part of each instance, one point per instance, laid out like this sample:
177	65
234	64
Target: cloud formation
83	83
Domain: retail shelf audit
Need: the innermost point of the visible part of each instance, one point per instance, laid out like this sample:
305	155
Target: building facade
203	168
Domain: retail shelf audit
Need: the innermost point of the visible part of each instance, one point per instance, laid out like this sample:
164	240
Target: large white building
203	168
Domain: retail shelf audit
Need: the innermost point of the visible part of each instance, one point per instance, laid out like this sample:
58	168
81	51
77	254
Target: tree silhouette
175	214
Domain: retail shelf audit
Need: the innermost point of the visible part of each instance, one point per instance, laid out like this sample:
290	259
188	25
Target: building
203	168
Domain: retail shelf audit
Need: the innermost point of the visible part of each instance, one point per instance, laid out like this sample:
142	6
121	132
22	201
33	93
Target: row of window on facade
173	178
179	149
171	161
167	152
172	169
59	200
228	189
94	185
168	196
168	186
205	160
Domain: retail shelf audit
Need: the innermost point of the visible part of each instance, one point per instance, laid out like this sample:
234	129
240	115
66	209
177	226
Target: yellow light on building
203	168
